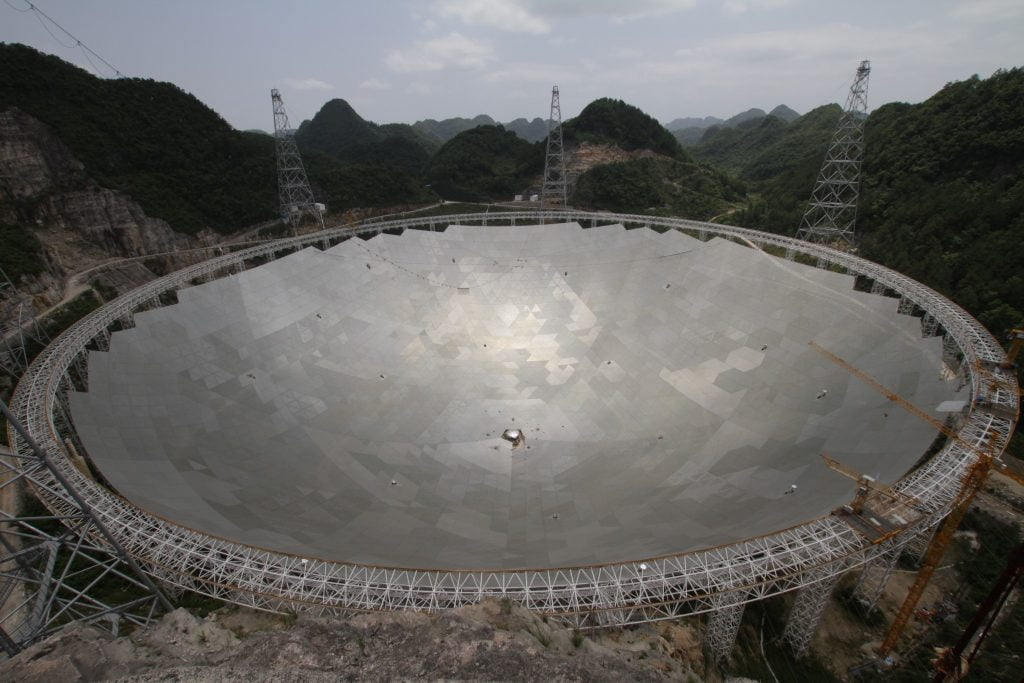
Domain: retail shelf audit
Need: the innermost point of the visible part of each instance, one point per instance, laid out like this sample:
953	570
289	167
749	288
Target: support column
822	263
929	326
790	254
724	623
906	306
103	340
950	352
877	287
875	575
808	607
918	546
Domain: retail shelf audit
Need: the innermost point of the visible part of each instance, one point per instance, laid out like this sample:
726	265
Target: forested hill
763	148
942	194
484	163
174	155
339	132
613	122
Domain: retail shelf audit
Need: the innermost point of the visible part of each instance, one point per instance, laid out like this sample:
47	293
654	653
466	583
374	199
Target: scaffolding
808	608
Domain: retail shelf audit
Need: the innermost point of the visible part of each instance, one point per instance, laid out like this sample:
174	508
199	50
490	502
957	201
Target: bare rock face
491	641
52	190
79	223
588	155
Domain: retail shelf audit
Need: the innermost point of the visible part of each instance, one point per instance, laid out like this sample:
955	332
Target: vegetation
175	156
486	162
345	186
613	122
759	655
943	194
339	132
446	129
22	253
977	570
660	186
767	148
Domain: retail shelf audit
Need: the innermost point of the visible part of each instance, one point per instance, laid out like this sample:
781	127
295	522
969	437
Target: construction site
607	419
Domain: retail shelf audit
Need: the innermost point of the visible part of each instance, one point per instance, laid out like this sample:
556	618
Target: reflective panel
351	404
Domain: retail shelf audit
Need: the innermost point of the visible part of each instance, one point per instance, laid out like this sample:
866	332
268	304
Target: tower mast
554	190
292	185
832	210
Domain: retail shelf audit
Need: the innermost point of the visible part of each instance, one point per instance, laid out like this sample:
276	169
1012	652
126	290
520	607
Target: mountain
171	153
759	148
785	113
174	155
659	186
942	192
688	137
743	116
613	122
335	128
446	129
690	122
531	131
484	163
339	132
691	131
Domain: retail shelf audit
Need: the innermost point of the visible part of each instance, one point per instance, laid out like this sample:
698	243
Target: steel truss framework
555	190
832	210
811	554
296	197
808	607
54	569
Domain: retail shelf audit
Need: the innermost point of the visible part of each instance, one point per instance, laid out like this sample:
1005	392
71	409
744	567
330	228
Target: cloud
308	84
453	51
526	72
507	15
741	6
537	16
375	84
988	10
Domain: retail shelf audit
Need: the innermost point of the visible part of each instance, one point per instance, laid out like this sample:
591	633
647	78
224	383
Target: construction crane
954	663
972	482
910	407
866	485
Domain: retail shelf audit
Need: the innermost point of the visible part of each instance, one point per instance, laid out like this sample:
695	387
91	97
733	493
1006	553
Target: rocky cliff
44	189
492	641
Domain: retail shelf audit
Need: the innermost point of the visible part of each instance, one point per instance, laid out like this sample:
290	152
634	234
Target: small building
534	197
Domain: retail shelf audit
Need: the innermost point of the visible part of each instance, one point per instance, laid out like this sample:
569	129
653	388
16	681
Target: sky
405	60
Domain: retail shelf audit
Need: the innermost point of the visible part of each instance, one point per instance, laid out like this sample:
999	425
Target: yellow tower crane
972	482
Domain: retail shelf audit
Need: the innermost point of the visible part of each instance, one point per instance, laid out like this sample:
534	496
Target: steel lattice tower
832	210
554	190
292	184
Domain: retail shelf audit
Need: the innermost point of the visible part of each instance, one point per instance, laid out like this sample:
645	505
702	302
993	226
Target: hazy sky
403	60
